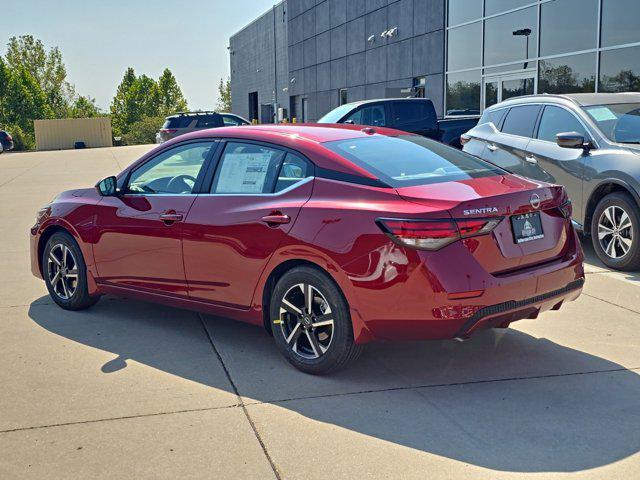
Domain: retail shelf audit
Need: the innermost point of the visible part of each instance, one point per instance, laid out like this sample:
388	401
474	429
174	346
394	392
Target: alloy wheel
306	321
615	232
62	271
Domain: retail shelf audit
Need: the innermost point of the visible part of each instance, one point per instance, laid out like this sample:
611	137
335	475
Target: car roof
580	99
304	138
312	132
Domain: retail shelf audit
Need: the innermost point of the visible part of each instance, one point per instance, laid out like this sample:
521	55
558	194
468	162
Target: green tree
120	103
46	68
224	95
84	107
23	102
171	98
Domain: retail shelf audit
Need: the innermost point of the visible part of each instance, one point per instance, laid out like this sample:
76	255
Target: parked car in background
6	140
590	143
181	123
328	237
413	115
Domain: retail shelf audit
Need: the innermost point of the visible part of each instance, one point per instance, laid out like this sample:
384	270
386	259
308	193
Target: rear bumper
502	314
447	296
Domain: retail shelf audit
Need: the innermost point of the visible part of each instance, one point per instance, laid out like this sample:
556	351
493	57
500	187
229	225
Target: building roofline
255	20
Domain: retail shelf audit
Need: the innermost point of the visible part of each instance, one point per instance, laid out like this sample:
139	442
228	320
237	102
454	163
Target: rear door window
556	120
409	160
232	121
294	169
247	168
373	115
521	120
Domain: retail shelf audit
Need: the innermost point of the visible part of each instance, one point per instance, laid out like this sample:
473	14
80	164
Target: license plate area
526	227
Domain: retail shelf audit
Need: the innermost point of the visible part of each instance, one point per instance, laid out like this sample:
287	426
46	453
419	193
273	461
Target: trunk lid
501	196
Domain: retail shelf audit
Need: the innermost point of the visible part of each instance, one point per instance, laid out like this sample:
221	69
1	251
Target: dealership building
303	58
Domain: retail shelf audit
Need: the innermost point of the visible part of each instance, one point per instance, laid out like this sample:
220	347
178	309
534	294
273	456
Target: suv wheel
311	322
615	232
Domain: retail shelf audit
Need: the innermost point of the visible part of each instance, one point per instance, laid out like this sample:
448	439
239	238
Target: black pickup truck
413	115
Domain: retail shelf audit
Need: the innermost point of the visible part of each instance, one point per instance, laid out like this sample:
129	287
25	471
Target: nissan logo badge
535	200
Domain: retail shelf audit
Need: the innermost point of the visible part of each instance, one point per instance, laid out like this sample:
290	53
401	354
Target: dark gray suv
588	142
186	122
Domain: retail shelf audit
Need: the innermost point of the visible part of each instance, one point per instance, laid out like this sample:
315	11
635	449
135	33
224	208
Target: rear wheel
65	273
615	231
311	322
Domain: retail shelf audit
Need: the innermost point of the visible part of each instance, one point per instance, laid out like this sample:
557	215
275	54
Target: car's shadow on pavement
504	400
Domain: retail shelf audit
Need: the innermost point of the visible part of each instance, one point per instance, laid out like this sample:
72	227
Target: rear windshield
619	122
409	160
177	122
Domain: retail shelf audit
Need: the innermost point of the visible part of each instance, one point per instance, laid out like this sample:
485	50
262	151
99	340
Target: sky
99	39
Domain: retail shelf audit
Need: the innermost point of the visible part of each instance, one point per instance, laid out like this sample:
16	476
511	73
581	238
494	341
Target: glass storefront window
620	70
517	88
568	26
574	73
497	6
620	22
463	93
464	49
461	11
511	37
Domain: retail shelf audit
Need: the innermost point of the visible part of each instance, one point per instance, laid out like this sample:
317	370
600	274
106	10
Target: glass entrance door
503	87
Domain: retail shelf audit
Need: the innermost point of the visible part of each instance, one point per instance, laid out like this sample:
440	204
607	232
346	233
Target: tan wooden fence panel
61	134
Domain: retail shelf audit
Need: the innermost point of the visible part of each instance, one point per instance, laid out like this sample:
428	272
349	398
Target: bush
143	131
21	139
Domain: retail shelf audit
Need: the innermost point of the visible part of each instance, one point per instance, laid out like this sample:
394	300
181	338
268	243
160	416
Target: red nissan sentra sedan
329	236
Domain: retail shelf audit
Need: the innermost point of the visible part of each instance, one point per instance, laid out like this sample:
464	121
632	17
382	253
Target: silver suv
588	142
186	122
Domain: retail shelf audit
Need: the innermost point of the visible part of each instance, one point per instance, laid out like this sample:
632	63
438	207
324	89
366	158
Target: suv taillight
9	137
435	234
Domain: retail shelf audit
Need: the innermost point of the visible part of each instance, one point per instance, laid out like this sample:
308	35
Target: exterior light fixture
371	39
392	31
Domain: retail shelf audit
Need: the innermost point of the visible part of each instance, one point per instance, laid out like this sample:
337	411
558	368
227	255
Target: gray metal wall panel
356	38
339	42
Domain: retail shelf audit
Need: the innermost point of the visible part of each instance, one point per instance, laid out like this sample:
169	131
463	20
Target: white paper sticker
243	173
601	114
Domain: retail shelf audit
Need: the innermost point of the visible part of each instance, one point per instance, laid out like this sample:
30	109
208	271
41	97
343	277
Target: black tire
335	343
617	202
78	297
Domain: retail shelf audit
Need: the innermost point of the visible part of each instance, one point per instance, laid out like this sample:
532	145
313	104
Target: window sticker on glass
243	172
600	114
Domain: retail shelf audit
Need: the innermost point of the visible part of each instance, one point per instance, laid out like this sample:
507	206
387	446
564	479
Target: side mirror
107	187
571	140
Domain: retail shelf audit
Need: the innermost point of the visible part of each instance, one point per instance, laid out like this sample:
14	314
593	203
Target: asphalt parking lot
133	390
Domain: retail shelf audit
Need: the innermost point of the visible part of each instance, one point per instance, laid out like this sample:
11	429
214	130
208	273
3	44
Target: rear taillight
9	137
168	130
434	234
464	139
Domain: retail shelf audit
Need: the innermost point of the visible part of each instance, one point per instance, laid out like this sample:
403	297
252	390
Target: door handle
276	219
531	159
492	147
170	217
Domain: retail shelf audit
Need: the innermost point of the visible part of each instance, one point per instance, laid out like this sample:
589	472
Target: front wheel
311	322
615	232
65	273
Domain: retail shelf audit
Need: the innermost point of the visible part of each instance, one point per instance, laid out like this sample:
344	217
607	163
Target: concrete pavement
128	389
